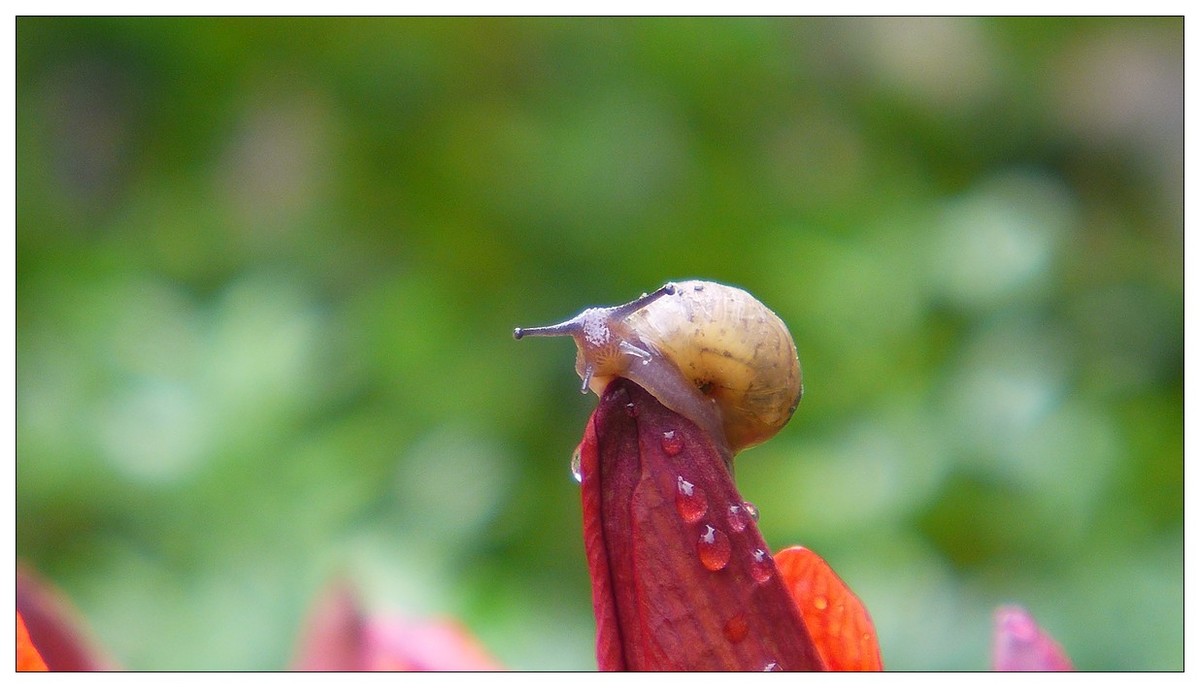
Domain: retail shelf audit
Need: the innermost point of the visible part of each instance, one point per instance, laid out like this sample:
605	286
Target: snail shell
710	352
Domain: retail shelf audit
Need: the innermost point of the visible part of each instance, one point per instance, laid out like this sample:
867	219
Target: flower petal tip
837	620
1020	644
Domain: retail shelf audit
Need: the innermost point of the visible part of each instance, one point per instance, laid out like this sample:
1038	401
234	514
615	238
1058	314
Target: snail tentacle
710	352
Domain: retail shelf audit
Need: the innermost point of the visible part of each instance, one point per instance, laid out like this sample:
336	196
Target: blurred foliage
268	269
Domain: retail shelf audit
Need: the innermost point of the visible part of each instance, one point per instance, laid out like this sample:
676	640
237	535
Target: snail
710	352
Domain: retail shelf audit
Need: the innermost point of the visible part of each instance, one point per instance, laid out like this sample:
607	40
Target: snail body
710	352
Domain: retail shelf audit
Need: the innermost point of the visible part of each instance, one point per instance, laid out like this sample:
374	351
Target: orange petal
836	619
28	658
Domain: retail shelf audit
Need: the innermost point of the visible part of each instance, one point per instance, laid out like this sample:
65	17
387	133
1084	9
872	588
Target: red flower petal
28	658
1021	645
836	619
681	578
55	627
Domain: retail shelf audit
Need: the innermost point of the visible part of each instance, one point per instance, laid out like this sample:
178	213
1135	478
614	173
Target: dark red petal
28	658
680	581
55	627
610	653
836	618
1021	645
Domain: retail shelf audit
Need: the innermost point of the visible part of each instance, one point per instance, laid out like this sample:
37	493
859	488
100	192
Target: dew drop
672	443
690	501
738	518
760	566
576	460
771	666
820	602
713	549
736	628
631	409
751	511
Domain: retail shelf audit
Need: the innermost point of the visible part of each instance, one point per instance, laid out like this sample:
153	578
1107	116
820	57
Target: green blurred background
268	270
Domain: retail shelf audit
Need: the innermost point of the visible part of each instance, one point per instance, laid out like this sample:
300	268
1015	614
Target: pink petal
436	645
1021	645
333	635
339	636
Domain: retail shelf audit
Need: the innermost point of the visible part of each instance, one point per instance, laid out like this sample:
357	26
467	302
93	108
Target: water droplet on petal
751	510
760	566
771	666
713	549
736	628
738	518
672	443
576	459
690	501
631	409
820	602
